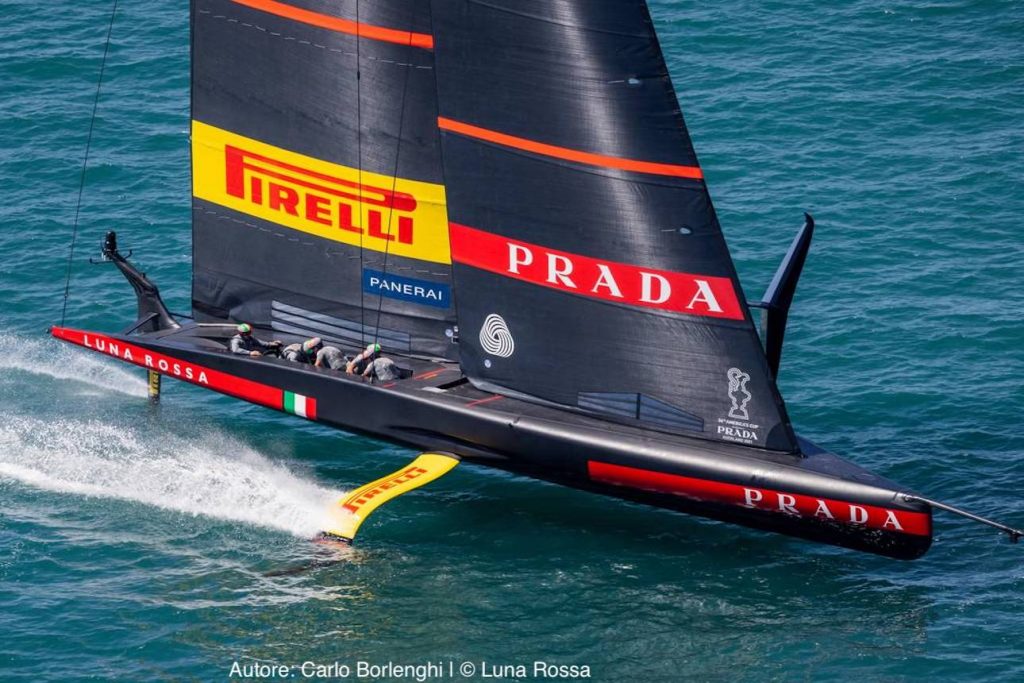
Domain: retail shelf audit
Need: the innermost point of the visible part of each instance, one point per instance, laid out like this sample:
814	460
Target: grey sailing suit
295	354
244	345
331	357
384	370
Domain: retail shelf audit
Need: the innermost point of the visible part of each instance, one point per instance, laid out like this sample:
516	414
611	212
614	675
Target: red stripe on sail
569	154
388	35
622	283
766	500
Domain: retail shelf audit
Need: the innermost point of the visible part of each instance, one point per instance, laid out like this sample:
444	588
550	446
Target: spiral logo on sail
495	337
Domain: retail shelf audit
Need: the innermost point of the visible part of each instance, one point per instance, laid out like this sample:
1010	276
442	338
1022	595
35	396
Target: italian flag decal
297	404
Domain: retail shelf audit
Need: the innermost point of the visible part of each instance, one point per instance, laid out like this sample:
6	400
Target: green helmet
373	348
244	328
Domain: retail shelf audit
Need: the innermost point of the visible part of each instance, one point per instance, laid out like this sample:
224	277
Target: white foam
50	358
210	474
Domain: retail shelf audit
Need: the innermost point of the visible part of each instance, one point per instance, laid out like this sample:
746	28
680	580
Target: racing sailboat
504	195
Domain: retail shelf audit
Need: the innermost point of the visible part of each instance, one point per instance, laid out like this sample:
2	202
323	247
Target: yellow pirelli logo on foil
379	212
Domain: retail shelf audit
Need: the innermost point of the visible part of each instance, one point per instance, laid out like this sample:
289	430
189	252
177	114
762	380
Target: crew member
383	370
245	343
358	365
331	357
303	353
371	365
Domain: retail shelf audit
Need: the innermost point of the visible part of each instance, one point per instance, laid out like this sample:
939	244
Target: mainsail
590	265
318	200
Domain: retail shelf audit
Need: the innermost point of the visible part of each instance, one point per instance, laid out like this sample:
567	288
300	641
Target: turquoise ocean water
134	543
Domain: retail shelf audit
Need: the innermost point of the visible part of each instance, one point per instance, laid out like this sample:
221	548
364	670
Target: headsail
591	268
318	201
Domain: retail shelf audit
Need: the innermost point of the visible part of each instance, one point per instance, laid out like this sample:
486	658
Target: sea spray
49	358
209	474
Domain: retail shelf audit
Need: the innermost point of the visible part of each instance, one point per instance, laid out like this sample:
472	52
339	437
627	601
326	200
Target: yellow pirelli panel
400	216
359	504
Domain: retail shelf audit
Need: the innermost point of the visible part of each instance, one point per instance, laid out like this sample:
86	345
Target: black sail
590	265
319	206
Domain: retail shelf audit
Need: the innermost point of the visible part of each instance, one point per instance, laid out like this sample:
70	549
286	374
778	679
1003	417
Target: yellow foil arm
361	503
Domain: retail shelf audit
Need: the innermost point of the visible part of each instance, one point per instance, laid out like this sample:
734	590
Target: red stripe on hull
766	500
305	16
255	392
575	155
480	401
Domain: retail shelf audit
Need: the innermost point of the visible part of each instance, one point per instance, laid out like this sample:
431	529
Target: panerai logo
417	291
736	426
495	337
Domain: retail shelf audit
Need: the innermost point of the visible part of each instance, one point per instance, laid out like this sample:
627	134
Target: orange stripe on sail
568	154
388	35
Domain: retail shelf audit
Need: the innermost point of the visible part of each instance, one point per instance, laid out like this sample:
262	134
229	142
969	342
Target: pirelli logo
403	217
382	486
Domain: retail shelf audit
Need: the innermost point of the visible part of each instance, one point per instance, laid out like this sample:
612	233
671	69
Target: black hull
814	495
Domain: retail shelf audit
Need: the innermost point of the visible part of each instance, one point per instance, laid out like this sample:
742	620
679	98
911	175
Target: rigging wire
1014	534
394	175
85	164
359	177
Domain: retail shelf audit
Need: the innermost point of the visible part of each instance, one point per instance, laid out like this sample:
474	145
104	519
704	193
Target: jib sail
590	266
318	201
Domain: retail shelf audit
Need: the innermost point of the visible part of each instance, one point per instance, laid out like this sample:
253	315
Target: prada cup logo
495	337
736	427
738	393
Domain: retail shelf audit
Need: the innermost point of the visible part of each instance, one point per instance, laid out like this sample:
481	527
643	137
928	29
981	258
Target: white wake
208	474
50	358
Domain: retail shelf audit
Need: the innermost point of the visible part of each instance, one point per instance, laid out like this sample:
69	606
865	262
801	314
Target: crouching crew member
370	364
331	357
303	353
358	365
245	343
